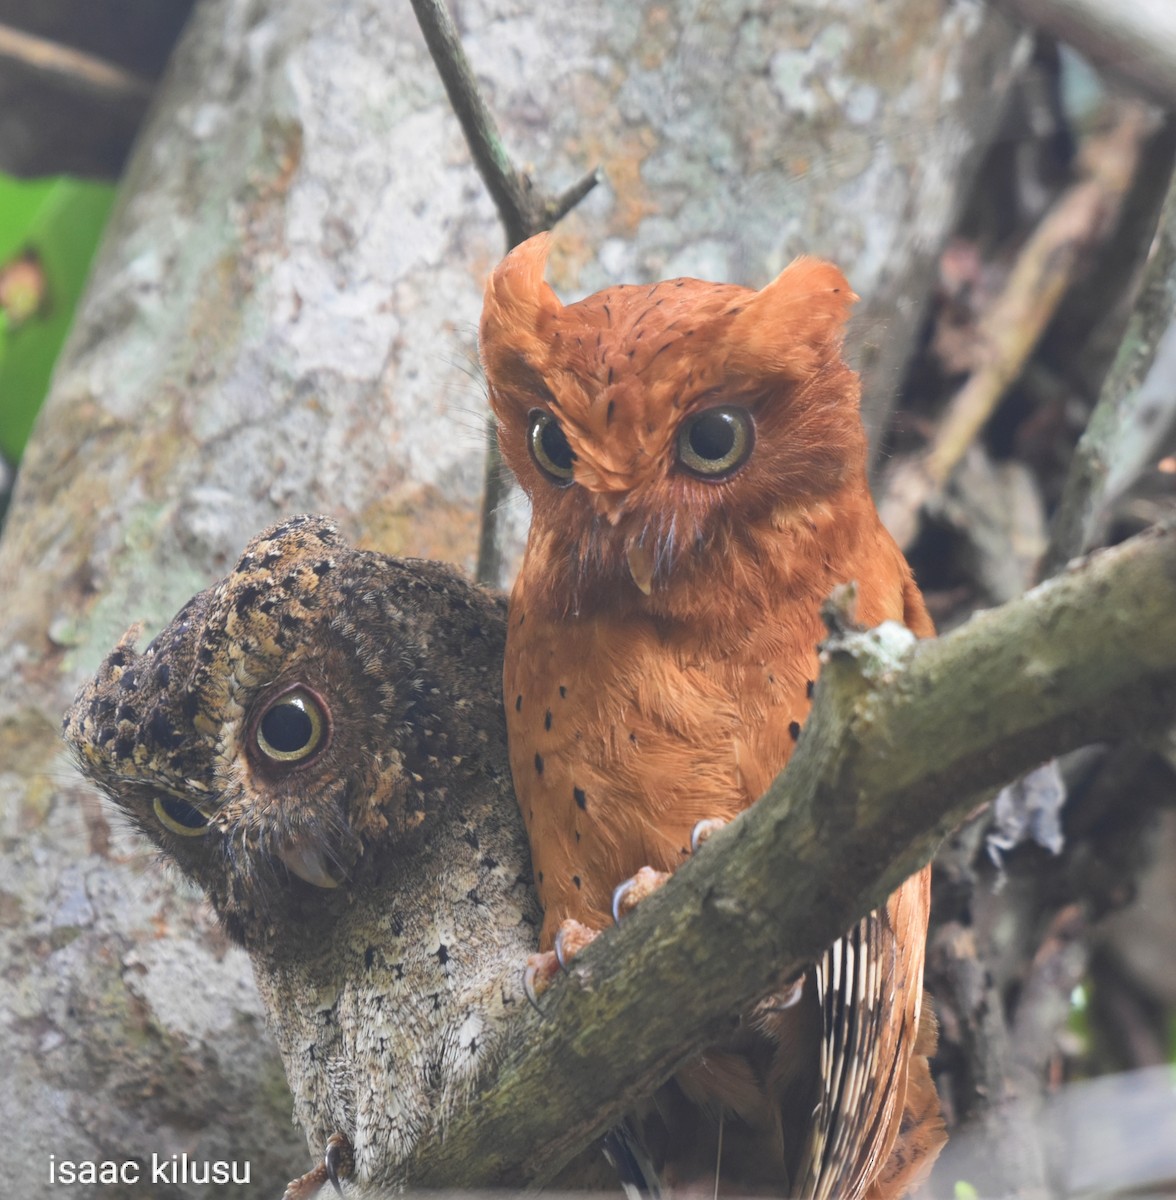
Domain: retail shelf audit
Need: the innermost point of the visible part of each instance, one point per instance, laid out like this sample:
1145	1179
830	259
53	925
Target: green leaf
19	201
56	223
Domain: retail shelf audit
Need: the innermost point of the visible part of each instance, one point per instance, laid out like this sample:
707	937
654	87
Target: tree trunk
283	319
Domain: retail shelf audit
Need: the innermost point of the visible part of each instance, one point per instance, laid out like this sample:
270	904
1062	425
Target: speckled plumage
661	658
388	992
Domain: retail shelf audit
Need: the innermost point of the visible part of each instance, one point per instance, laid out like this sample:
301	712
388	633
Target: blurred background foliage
76	78
49	230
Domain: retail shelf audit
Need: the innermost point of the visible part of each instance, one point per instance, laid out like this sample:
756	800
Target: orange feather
696	466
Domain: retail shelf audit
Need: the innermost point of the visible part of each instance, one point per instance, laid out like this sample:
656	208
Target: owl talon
570	940
542	968
339	1160
307	1186
338	1164
534	982
703	830
626	896
561	955
618	899
789	995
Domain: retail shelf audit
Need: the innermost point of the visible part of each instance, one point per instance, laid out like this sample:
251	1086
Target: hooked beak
640	560
308	863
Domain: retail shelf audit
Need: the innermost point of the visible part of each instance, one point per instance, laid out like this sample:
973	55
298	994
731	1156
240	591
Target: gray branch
902	737
1135	408
1134	39
72	68
524	208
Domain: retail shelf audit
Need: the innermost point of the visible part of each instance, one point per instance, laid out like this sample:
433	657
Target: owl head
654	427
294	718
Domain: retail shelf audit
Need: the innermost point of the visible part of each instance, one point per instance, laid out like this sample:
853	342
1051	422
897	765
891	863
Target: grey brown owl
318	742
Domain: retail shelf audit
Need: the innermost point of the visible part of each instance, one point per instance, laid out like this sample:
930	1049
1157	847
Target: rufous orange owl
696	466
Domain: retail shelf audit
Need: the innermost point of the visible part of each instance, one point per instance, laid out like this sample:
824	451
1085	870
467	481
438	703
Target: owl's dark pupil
555	445
712	437
287	728
183	814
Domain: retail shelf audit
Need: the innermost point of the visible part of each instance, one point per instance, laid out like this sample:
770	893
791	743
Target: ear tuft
518	303
795	324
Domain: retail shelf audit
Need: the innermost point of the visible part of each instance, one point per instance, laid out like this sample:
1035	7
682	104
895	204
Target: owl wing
870	990
869	986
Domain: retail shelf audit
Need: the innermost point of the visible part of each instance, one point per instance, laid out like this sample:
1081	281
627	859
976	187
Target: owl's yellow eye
549	448
716	442
293	728
180	817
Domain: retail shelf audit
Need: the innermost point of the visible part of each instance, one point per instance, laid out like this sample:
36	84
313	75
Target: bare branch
1129	417
1134	39
523	207
78	70
1047	266
901	738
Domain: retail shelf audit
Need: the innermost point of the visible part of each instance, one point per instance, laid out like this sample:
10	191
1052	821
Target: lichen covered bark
282	319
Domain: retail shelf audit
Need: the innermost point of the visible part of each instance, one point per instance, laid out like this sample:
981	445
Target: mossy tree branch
902	737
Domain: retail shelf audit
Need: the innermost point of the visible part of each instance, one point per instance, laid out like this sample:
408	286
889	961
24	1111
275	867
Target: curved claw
560	950
529	976
618	898
333	1175
702	830
338	1160
790	994
626	896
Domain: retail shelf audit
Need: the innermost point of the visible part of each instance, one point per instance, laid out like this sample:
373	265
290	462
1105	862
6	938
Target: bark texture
283	319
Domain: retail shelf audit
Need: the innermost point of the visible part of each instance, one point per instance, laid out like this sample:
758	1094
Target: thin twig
495	489
78	70
1129	417
523	207
1043	1005
971	998
1050	261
